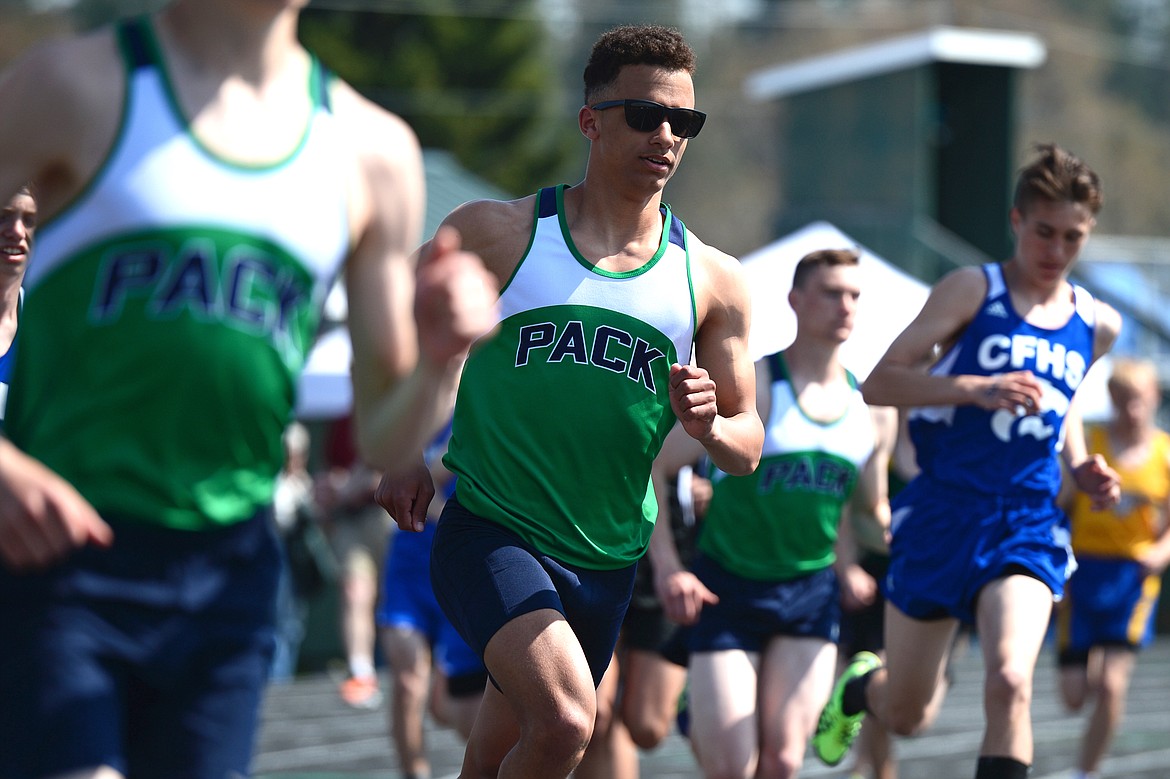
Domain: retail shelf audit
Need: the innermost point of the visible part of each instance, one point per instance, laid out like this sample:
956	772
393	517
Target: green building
906	144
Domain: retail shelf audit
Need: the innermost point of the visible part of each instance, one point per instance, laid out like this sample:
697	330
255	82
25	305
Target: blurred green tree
489	89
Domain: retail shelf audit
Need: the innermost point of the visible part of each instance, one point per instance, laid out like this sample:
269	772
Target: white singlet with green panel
170	310
781	521
562	410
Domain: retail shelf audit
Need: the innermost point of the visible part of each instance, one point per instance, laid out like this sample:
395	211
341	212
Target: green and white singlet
170	310
563	409
780	522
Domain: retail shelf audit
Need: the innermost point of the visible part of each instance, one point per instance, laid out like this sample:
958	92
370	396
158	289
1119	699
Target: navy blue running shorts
149	657
485	576
750	613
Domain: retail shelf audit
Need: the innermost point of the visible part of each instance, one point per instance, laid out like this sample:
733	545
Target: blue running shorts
149	657
1110	602
948	544
750	612
484	576
409	601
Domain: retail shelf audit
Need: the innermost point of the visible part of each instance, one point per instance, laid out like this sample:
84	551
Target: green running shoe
836	730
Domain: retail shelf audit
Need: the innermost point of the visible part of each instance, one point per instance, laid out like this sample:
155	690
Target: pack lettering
250	290
804	474
608	348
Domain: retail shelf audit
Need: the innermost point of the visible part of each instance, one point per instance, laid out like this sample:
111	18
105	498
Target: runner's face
826	302
1136	403
18	223
651	155
1050	236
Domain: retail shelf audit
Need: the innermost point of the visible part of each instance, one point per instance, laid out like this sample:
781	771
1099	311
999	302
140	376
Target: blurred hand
42	517
456	298
858	588
683	596
407	496
1095	478
1012	391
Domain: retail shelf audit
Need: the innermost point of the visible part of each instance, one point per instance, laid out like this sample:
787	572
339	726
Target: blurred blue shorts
948	544
149	657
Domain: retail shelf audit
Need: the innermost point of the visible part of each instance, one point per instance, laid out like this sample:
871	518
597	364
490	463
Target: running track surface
308	733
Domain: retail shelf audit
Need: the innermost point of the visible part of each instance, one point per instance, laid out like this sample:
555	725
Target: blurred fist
456	298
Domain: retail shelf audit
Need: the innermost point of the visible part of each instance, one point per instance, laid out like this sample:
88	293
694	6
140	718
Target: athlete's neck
614	233
246	39
814	361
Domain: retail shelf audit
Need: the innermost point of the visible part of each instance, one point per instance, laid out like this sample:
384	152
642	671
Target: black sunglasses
646	116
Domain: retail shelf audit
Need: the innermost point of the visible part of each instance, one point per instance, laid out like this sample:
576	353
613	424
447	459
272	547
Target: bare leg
650	697
1013	615
1117	667
724	728
796	678
453	711
611	753
542	726
1076	680
901	694
875	751
409	658
358	593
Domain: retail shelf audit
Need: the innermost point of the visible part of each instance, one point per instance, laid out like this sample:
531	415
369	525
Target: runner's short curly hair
635	45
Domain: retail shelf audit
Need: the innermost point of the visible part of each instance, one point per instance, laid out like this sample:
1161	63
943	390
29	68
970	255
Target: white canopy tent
325	391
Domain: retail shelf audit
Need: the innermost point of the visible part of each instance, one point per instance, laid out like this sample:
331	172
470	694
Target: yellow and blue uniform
1111	601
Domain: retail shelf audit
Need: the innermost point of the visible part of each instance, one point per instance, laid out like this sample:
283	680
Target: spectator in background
1108	613
359	532
295	514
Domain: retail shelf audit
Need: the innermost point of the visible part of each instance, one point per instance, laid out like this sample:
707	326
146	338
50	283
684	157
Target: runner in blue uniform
429	662
990	367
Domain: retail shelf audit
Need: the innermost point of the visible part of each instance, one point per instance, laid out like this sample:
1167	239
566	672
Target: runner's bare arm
899	378
405	372
715	399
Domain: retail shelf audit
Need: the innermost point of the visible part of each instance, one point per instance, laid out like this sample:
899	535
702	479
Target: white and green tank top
562	410
171	307
780	522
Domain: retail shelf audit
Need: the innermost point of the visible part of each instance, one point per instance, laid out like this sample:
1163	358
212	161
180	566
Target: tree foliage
486	89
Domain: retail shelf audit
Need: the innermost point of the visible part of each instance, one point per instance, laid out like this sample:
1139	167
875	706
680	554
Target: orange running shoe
361	692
